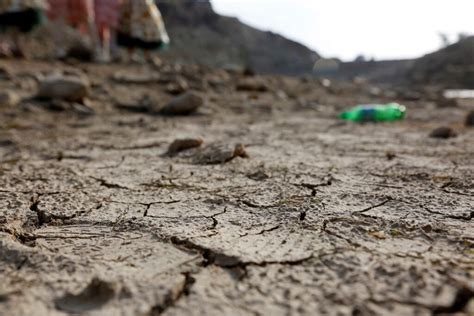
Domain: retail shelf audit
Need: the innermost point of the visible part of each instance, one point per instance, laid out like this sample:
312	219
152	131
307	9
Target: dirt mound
200	35
452	66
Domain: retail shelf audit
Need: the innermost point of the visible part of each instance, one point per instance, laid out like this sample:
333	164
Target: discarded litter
375	113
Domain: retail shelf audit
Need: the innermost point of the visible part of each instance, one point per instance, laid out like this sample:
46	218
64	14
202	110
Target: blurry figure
19	17
79	14
141	27
107	14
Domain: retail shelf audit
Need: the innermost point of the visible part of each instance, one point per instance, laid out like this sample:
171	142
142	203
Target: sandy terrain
322	218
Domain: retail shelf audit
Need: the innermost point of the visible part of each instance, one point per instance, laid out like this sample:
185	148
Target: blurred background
394	42
348	29
384	41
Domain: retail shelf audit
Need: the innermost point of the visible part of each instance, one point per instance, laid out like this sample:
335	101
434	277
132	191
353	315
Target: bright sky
346	28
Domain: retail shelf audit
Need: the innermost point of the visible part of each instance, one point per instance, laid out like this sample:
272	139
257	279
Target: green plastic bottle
375	113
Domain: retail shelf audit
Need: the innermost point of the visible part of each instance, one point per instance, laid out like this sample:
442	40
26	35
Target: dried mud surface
322	218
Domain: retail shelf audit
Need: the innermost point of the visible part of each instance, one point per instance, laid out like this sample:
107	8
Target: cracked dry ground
322	218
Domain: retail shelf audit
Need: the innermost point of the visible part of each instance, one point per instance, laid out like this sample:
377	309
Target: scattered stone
136	78
281	95
180	145
9	98
390	155
69	88
94	296
177	87
470	119
252	84
184	104
220	153
443	132
378	234
326	83
259	175
427	228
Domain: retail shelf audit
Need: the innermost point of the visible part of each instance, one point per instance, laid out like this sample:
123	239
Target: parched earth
322	217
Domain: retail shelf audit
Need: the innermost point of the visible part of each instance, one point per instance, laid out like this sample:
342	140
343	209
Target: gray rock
184	104
69	88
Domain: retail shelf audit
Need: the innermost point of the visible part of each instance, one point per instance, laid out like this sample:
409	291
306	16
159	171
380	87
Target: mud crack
468	217
220	259
313	187
44	217
373	206
109	185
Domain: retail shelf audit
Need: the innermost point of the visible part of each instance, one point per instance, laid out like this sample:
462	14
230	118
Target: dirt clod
443	132
183	144
220	153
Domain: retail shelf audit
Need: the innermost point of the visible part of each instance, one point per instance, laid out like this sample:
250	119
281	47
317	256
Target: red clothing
75	12
107	13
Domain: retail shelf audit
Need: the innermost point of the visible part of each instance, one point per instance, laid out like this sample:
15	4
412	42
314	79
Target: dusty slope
203	36
452	67
323	217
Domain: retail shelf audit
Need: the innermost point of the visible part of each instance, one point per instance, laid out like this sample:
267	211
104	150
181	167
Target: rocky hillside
452	66
201	35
